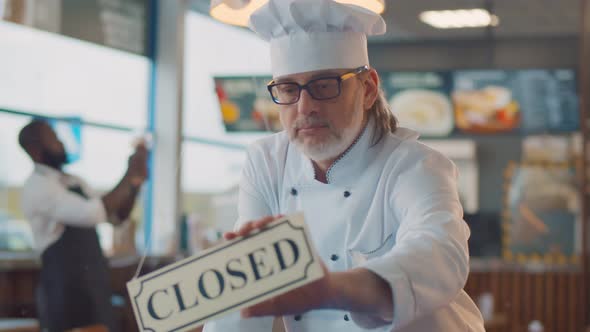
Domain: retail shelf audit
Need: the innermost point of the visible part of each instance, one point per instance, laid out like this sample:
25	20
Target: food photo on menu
487	110
484	101
245	105
420	101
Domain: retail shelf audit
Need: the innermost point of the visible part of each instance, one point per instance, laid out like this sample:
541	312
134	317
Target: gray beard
333	147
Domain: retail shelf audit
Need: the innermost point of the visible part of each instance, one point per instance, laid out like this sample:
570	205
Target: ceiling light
377	6
237	12
461	18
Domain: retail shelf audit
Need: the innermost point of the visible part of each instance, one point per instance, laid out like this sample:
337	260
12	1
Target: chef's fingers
250	226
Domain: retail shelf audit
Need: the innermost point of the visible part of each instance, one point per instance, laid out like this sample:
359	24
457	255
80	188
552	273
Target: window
60	76
45	74
15	234
212	159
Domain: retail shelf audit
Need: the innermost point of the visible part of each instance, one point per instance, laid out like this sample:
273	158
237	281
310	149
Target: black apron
74	288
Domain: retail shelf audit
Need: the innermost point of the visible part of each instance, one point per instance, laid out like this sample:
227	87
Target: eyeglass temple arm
354	73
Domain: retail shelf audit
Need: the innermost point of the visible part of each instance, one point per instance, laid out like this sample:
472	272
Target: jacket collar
47	171
346	168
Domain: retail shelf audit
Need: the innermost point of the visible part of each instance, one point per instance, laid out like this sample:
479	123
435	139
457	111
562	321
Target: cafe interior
501	88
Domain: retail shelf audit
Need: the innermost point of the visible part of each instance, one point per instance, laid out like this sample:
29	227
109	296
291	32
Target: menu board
527	101
484	101
437	104
420	101
246	105
549	101
121	24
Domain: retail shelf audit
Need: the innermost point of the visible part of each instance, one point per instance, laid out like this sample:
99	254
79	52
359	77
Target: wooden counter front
520	296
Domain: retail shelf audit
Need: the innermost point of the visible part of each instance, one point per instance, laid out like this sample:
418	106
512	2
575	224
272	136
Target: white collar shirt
48	205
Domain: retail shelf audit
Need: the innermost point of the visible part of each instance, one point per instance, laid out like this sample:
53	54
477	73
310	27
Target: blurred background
500	87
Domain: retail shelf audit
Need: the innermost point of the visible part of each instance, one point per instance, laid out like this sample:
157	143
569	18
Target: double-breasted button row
294	192
298	317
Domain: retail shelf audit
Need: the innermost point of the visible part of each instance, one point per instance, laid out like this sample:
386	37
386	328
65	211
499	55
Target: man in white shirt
383	209
74	289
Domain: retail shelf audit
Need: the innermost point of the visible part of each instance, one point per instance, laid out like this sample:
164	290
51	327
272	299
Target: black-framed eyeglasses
322	88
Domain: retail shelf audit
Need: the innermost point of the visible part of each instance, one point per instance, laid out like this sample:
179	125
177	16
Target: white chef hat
307	35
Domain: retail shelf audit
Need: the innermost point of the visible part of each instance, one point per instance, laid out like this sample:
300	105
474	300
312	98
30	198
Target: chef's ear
371	91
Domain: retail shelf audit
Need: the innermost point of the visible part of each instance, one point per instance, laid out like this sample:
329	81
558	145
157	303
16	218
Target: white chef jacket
391	207
48	205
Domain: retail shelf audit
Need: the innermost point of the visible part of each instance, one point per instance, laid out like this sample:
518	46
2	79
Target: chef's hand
316	295
358	291
250	226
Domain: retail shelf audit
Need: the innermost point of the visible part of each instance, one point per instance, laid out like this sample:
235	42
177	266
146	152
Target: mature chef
383	209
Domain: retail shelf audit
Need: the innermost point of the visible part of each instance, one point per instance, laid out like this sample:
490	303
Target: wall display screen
421	101
246	105
525	101
437	104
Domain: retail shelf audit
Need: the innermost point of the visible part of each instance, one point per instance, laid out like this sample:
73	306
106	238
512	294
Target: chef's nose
306	104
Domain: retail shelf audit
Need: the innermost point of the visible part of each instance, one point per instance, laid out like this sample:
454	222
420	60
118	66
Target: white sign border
214	250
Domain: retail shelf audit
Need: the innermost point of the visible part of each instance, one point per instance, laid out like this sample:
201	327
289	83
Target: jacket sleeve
429	263
253	197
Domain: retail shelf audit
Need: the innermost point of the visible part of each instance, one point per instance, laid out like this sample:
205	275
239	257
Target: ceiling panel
518	19
537	18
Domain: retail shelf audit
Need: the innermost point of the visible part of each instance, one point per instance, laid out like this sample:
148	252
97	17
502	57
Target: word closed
226	278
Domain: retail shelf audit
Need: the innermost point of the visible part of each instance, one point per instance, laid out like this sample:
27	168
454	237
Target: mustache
309	122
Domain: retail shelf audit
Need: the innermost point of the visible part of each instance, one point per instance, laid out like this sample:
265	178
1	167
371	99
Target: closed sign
229	277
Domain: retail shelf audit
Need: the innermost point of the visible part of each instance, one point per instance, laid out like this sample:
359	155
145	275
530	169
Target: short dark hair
30	134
